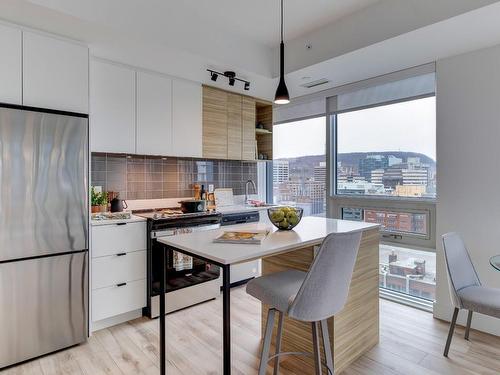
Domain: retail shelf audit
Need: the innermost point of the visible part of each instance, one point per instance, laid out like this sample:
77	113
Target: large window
388	150
299	164
385	172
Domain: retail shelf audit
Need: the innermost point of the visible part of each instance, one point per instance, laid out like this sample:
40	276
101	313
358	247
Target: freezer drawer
43	306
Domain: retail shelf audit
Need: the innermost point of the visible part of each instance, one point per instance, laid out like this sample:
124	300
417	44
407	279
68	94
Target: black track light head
214	76
247	86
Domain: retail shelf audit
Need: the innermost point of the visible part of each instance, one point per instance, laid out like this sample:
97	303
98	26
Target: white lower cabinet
116	269
118	272
116	300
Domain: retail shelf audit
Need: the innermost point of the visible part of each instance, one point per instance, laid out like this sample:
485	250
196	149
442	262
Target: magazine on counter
254	237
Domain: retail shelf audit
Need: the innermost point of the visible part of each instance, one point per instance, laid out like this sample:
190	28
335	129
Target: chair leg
264	356
317	352
327	347
278	343
467	328
450	333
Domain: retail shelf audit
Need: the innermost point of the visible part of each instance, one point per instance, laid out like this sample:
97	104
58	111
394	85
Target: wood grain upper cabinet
234	126
10	65
154	114
186	119
248	128
55	73
112	108
215	135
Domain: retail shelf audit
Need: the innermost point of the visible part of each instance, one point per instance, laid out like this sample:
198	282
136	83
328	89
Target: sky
406	126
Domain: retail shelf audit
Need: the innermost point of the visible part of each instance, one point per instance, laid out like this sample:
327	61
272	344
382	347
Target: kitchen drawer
115	238
115	269
116	300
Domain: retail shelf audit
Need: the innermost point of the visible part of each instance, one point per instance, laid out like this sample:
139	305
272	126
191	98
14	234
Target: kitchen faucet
246	189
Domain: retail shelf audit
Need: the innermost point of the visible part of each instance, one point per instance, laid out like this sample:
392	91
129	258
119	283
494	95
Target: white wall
468	172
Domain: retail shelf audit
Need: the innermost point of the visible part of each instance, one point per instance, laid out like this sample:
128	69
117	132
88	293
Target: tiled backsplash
147	177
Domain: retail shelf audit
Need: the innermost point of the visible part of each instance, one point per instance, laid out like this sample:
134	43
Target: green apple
277	216
283	224
293	218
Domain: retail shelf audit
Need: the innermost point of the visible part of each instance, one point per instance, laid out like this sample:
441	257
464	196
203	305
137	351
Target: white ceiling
350	39
254	20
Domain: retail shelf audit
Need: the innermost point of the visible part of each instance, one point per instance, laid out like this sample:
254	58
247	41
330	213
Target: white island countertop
309	232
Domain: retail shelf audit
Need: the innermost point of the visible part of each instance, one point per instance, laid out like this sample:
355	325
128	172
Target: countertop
133	219
240	208
309	232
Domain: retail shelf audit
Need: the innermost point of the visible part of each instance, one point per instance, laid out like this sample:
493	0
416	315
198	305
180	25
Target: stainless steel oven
189	280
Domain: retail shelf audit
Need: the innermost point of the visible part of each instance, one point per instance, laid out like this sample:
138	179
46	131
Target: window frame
336	201
270	165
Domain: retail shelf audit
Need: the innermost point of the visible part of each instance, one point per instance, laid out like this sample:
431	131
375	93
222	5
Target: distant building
392	160
320	172
281	171
377	176
410	190
370	163
408	276
397	221
359	188
415	176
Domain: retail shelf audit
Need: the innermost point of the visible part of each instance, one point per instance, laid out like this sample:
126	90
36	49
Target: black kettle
118	205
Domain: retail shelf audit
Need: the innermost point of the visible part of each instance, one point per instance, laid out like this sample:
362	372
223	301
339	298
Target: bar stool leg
327	346
469	321
278	343
264	356
317	351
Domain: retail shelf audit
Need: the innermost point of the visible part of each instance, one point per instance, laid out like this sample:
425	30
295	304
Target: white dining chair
465	287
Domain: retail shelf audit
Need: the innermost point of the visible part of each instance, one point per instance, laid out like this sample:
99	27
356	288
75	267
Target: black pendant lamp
282	96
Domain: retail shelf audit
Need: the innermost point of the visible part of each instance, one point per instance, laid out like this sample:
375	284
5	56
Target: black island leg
163	347
226	319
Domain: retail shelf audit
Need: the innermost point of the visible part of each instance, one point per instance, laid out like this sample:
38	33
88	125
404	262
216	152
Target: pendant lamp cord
282	20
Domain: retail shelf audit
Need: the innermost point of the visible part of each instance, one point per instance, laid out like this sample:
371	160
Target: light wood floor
411	343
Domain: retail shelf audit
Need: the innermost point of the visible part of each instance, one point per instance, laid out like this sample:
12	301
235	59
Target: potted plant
98	201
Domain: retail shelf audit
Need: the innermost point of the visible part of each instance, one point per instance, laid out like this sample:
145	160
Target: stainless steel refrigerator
43	232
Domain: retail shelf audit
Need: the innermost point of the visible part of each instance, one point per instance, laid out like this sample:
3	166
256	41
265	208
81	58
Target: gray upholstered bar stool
312	297
465	287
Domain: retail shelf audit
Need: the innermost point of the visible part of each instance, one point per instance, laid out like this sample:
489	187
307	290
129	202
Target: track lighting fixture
231	76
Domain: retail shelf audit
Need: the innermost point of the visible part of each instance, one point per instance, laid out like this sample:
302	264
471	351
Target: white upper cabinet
55	73
10	65
154	114
187	128
112	108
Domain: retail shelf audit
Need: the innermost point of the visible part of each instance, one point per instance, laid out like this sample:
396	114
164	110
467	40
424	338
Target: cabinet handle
121	223
121	284
121	254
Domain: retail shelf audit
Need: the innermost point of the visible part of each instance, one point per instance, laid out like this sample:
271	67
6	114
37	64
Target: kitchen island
353	331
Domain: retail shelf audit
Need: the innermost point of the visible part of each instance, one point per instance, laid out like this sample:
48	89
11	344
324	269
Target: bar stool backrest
324	290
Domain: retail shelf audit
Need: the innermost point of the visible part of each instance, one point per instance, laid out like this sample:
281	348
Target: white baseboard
115	320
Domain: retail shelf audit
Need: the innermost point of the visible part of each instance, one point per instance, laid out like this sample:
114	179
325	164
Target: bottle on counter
203	193
197	191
